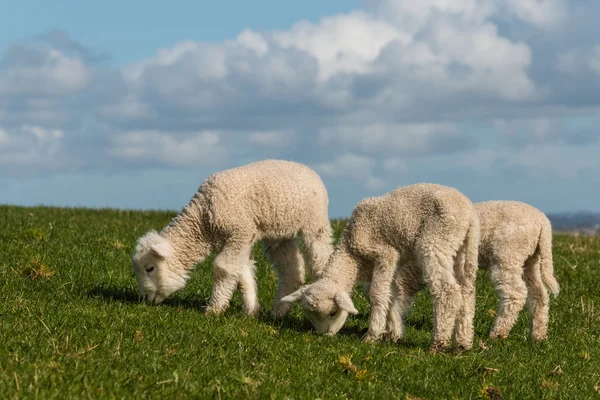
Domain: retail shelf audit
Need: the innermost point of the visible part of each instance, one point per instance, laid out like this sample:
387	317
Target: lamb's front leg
406	286
230	268
379	295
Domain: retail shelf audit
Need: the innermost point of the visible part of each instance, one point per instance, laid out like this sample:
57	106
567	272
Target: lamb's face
155	279
325	314
327	307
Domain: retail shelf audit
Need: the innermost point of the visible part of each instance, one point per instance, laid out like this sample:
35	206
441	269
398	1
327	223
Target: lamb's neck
342	269
188	236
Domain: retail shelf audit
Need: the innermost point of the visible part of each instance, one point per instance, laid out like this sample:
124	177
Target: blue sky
132	105
128	31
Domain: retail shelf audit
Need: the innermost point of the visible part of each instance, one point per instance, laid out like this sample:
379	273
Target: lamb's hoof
211	311
539	337
461	348
370	338
280	310
253	312
438	348
393	337
498	335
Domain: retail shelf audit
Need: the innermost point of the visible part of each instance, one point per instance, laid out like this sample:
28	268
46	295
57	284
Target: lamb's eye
332	314
150	269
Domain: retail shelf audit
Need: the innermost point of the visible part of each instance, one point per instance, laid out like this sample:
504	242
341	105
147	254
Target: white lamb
516	247
271	200
432	226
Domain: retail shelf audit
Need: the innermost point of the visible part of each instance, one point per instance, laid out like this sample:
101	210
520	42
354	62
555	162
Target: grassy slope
71	326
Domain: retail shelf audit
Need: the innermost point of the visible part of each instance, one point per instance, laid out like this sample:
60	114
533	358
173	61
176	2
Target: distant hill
581	221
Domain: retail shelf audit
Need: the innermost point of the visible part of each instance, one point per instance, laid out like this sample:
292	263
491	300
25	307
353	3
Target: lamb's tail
471	248
546	263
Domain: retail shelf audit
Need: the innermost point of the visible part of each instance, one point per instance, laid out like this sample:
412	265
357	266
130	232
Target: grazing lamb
271	200
516	246
432	226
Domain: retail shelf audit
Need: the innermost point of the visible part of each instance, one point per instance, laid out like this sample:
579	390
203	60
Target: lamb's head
155	270
327	306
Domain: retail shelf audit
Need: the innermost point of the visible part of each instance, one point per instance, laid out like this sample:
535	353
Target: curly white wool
274	201
431	226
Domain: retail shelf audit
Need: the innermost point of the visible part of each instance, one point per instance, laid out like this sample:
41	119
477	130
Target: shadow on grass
420	323
128	295
301	323
114	293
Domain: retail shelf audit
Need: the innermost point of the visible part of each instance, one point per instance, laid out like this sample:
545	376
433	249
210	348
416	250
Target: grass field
71	326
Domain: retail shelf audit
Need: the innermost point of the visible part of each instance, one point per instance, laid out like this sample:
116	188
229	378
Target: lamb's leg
318	250
229	267
289	264
408	283
508	283
248	290
538	299
438	273
465	271
380	294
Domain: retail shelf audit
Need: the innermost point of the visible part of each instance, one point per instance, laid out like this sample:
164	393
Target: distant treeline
575	220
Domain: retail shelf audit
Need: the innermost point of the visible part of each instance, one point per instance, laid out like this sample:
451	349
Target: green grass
71	326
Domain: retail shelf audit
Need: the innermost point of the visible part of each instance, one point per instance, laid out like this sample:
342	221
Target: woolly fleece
516	247
270	200
431	226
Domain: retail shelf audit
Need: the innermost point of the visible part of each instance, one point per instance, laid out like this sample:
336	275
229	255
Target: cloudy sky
133	104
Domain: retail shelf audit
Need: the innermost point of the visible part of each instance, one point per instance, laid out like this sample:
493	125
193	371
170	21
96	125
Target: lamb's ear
161	249
344	302
294	297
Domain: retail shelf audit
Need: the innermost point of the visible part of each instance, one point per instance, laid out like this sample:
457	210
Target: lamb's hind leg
438	274
289	264
508	283
465	270
407	284
538	299
248	289
230	268
318	249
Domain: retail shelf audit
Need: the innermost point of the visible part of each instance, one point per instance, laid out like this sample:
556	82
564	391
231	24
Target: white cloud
46	71
31	146
374	183
576	61
536	130
342	43
594	59
351	165
395	165
209	66
271	138
4	138
554	160
254	41
397	138
353	93
544	130
541	13
203	148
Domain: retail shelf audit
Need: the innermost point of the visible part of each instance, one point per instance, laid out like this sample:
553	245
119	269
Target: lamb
274	201
432	226
516	247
